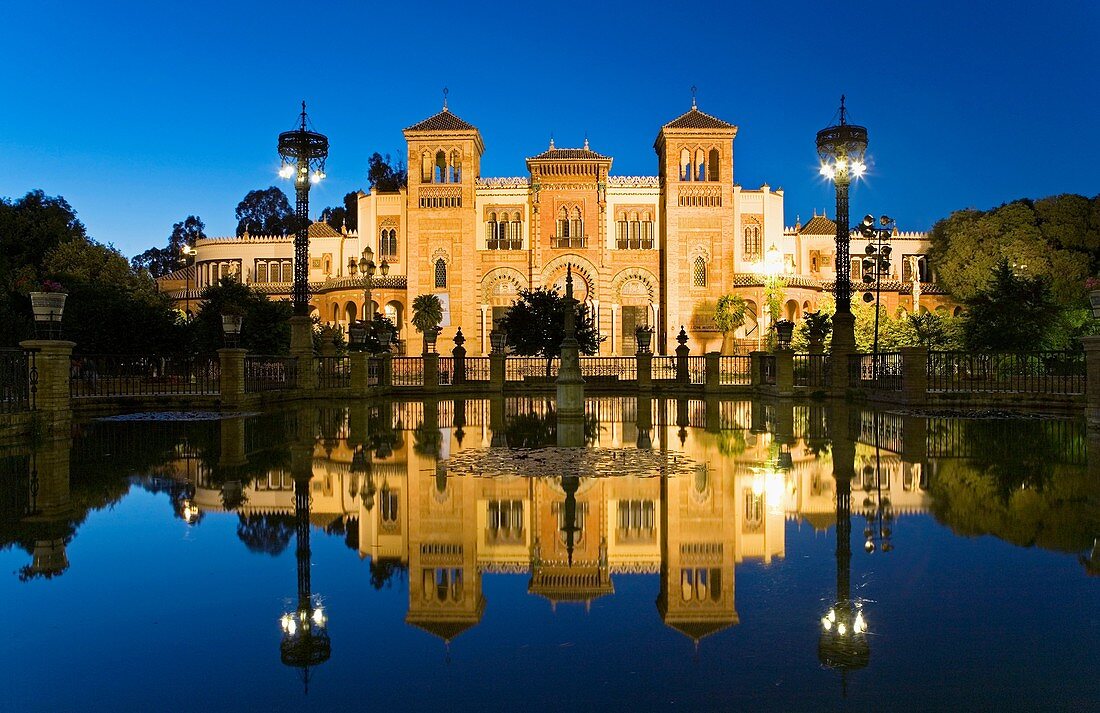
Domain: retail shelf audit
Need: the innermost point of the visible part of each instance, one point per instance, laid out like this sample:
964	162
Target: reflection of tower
843	642
569	528
305	640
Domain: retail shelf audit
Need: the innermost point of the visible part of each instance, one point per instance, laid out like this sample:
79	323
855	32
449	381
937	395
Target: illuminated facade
645	250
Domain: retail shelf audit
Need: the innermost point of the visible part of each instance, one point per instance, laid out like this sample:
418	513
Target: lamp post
231	325
841	149
303	153
187	251
875	263
367	269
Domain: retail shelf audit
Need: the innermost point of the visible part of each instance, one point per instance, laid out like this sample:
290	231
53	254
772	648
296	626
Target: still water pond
691	555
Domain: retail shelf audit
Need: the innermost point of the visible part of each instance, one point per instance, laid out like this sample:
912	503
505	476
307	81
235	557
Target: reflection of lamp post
305	640
187	251
841	149
303	153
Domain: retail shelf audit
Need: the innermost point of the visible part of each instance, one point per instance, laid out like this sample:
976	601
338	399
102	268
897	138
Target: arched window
440	167
699	272
685	165
754	246
440	273
492	235
622	238
426	167
387	243
517	232
456	167
563	222
647	231
700	166
576	225
712	165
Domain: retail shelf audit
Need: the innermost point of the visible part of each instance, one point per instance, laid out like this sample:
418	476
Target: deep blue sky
142	113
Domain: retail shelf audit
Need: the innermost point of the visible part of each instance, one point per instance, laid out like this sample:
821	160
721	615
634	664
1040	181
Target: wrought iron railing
521	368
408	371
735	370
128	375
1048	372
697	370
607	368
811	370
477	368
768	369
664	368
18	380
270	373
885	375
333	372
374	371
446	370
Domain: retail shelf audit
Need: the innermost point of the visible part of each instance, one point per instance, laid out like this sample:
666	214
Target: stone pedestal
385	375
713	370
844	344
784	372
301	347
360	369
683	377
53	362
645	371
496	372
459	376
914	374
431	372
1092	381
232	376
756	368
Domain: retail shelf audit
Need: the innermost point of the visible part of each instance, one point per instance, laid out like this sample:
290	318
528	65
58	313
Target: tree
385	176
265	212
729	315
1056	237
427	313
264	330
535	325
346	215
1014	312
161	261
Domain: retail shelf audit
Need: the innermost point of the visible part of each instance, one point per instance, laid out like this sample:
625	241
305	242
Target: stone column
385	377
53	362
784	372
843	345
713	370
360	367
645	371
496	371
1092	380
431	371
570	383
914	374
756	368
232	376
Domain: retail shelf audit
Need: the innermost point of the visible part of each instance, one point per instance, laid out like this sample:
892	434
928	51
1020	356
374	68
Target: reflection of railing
270	373
767	369
477	368
1054	372
520	368
811	370
408	371
885	376
735	370
446	370
333	372
18	380
621	368
127	375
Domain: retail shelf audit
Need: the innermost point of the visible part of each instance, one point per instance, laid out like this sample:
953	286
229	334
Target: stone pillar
844	344
459	353
756	369
645	371
53	361
385	376
682	352
914	374
713	370
232	376
784	372
1092	380
570	382
496	371
360	368
431	372
301	348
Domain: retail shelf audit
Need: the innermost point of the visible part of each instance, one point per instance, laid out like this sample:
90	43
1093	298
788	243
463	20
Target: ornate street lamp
875	264
303	153
231	325
841	149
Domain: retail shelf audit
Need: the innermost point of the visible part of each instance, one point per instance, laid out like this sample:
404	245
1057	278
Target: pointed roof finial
843	111
551	140
303	115
586	140
693	90
446	91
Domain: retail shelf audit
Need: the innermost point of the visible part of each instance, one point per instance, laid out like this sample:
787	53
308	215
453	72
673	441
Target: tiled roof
322	230
443	121
819	225
696	119
184	273
567	154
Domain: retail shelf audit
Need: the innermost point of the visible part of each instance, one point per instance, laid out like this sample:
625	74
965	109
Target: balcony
566	242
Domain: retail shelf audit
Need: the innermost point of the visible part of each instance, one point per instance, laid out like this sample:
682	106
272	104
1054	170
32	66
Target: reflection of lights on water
304	619
190	512
772	485
858	625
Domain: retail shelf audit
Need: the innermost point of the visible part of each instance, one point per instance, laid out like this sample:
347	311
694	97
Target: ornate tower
444	163
695	165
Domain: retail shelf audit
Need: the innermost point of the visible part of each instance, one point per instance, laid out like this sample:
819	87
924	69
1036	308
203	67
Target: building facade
644	250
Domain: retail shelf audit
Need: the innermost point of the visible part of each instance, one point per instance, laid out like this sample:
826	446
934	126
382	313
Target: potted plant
644	335
427	316
818	326
48	304
1093	286
784	330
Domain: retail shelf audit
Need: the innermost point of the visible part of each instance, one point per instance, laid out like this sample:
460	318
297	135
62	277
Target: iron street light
303	153
841	149
231	325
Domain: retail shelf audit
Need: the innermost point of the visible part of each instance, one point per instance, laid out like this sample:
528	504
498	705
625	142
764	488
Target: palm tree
729	315
427	314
